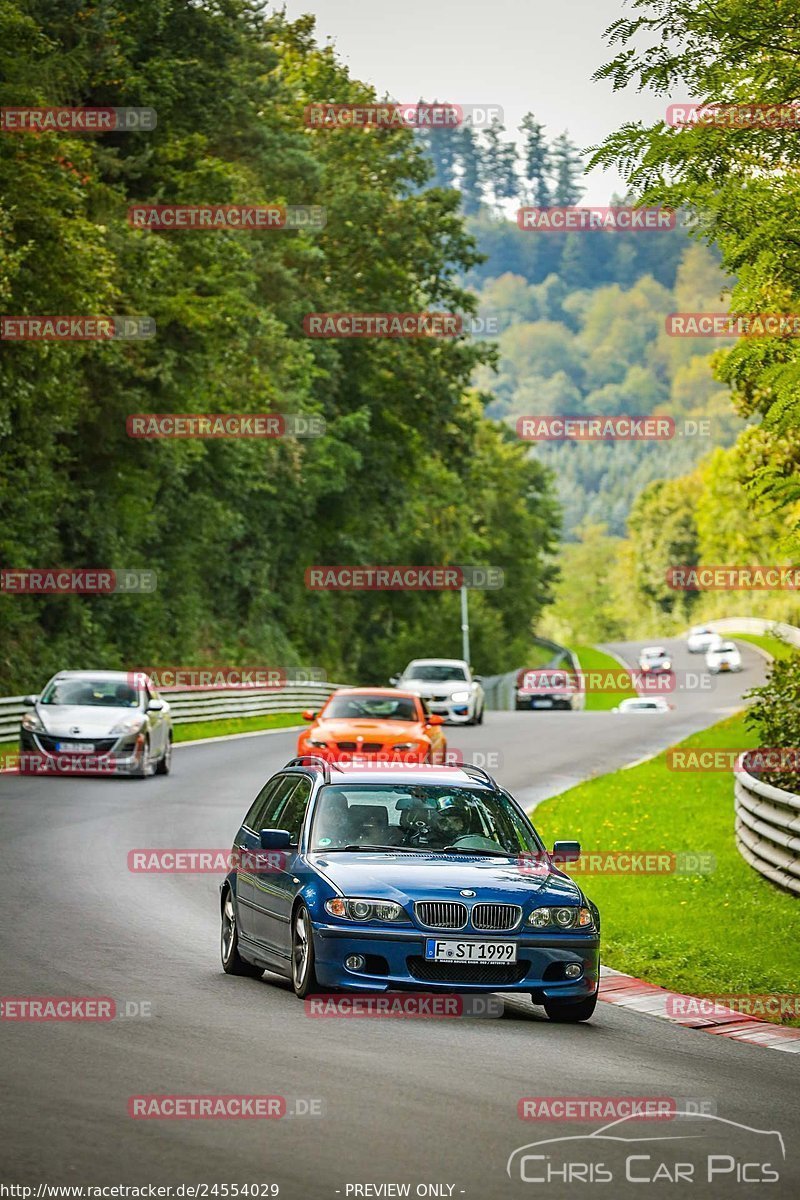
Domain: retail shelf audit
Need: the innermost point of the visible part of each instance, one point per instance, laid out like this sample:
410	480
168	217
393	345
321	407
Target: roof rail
479	773
314	762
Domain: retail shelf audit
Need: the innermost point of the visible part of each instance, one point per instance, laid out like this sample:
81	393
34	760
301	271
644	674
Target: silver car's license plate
437	950
76	747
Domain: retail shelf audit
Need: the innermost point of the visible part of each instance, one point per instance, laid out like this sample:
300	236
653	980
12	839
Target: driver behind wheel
453	821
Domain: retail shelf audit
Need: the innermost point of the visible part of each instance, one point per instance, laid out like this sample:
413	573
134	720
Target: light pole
464	626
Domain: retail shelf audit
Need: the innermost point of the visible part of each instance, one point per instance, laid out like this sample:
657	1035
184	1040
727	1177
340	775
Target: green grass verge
727	931
204	729
772	645
592	659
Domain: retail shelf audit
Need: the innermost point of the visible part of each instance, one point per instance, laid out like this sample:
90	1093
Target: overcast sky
525	55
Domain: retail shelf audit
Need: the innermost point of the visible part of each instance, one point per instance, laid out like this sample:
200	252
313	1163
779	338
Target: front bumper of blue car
395	959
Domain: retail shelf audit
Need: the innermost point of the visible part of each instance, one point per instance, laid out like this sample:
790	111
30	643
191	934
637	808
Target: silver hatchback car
104	722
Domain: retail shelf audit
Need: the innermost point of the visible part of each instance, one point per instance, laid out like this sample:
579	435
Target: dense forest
410	470
738	185
580	320
419	463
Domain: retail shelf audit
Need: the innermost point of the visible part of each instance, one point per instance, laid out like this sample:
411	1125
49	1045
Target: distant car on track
723	657
406	877
699	639
374	723
654	660
447	686
547	688
104	721
636	704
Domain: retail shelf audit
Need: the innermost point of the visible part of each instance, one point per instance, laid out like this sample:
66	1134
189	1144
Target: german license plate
76	747
544	703
470	952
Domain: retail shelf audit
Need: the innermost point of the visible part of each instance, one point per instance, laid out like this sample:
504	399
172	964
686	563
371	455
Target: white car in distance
724	657
447	686
653	660
700	639
637	704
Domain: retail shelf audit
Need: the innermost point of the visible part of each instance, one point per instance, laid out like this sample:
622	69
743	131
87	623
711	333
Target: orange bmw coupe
382	724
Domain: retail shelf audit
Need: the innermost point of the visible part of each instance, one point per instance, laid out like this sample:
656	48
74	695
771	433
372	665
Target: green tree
567	170
740	184
535	161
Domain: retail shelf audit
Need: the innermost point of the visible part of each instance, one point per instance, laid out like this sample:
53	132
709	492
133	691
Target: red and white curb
637	994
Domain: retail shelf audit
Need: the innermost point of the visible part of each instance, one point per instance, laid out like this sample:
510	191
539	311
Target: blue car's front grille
496	916
466	973
441	914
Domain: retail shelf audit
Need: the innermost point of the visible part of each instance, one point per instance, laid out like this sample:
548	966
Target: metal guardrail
189	705
768	828
767	819
734	625
500	690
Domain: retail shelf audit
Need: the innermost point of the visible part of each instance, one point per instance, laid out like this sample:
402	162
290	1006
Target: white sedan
700	639
654	659
448	688
643	704
724	657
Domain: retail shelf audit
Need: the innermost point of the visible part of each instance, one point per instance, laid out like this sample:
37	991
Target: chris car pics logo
724	1157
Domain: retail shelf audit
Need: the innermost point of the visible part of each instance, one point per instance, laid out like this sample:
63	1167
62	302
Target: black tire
304	976
165	762
232	961
480	718
568	1013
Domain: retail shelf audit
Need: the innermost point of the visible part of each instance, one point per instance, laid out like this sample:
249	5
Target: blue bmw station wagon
395	876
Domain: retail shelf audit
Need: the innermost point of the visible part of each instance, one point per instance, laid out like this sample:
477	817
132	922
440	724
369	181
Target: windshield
434	672
421	817
100	693
377	708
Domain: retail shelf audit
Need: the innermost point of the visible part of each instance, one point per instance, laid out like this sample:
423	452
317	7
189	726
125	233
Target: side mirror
155	706
275	839
394	680
29	701
435	719
477	679
308	715
567	851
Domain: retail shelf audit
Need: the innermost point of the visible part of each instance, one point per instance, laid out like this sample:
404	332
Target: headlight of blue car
351	909
561	918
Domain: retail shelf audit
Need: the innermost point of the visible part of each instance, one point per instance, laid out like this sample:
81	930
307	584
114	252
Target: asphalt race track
403	1101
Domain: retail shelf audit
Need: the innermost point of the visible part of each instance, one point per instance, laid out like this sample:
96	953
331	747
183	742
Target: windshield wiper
474	850
362	846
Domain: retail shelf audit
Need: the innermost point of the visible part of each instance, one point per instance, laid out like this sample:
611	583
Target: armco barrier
767	819
734	625
768	828
199	705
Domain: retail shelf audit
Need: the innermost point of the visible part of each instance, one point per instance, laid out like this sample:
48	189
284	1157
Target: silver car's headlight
365	910
459	697
32	724
130	725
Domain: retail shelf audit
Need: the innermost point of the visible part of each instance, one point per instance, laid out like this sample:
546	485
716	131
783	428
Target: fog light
572	970
355	962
